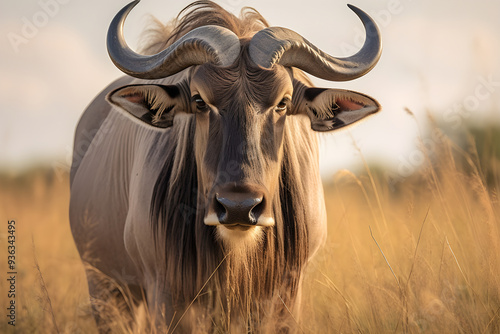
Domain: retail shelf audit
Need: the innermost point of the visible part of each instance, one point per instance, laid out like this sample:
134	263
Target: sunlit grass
433	262
419	255
38	201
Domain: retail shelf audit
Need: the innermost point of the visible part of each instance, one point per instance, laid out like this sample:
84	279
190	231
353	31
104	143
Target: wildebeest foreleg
113	304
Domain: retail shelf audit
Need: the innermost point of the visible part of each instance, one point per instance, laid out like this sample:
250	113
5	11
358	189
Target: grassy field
416	254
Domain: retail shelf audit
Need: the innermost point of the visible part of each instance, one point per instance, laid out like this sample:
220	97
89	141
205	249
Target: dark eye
200	104
282	105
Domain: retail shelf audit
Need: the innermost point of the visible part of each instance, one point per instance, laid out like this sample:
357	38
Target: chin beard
244	258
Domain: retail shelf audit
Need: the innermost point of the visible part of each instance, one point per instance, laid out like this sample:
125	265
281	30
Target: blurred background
439	57
412	193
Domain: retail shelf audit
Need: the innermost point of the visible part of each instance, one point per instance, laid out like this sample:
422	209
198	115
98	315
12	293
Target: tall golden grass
421	255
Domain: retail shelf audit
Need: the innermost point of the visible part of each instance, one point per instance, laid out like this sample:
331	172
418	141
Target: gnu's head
241	92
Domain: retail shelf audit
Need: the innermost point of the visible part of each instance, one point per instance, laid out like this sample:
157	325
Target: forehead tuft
243	79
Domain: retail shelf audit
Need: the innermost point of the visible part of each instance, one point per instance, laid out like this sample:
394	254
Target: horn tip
131	5
355	9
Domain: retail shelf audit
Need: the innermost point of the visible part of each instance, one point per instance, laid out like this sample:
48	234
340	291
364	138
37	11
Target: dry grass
420	256
51	286
432	264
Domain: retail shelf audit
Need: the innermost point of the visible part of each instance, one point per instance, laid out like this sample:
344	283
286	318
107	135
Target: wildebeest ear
152	104
331	109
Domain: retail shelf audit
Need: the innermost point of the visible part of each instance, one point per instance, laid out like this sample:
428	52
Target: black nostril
257	209
219	209
238	209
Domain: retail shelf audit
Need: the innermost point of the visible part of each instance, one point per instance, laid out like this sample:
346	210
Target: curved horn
213	44
277	45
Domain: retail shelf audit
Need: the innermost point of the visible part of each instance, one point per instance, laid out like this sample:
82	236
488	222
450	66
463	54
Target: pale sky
439	56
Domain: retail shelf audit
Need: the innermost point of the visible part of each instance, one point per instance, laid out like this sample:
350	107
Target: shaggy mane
200	13
260	282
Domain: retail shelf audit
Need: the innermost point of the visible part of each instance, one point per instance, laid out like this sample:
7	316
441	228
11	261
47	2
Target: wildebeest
195	183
